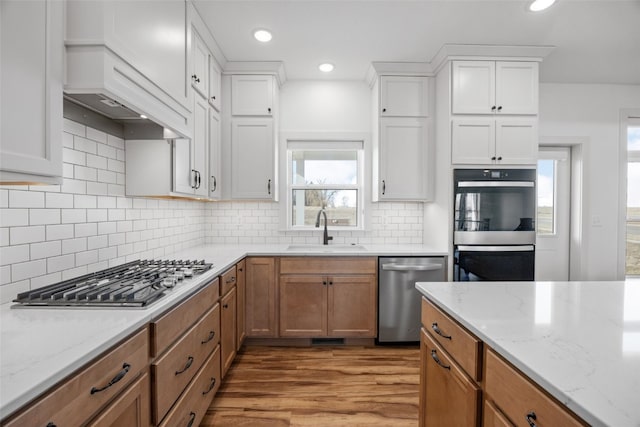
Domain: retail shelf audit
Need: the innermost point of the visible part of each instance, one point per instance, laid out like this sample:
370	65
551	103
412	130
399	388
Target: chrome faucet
325	237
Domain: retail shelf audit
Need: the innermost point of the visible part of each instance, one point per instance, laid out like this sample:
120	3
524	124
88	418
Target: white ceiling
595	41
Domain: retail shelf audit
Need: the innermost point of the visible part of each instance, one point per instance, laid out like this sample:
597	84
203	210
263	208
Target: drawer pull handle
209	338
434	356
230	280
438	331
118	377
192	418
50	424
187	366
531	417
211	386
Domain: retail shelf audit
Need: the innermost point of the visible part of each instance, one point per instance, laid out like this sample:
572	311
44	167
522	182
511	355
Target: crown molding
275	68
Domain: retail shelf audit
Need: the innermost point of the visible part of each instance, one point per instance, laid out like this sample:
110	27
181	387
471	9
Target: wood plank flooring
319	386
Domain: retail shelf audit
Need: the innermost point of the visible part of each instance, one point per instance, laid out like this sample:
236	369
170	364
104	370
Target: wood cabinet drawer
78	399
518	398
130	408
328	265
178	365
175	322
465	348
192	405
493	417
228	280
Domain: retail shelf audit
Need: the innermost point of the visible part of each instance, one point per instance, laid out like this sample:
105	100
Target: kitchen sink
325	248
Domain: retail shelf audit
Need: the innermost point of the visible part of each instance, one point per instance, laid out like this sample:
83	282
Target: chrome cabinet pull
187	366
438	331
531	417
120	375
434	356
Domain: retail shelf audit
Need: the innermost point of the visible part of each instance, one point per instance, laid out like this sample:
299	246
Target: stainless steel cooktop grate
134	284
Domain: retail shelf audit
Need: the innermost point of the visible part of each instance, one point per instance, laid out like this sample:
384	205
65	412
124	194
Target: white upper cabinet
404	159
485	140
495	87
214	84
200	157
404	96
31	67
215	153
252	157
199	64
252	95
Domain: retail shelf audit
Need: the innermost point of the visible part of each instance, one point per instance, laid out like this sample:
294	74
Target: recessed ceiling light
539	5
262	35
326	67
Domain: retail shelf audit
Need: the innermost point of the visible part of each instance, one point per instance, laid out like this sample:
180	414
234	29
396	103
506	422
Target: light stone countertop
580	341
41	346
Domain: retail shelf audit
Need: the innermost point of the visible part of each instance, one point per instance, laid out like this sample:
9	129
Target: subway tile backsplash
55	232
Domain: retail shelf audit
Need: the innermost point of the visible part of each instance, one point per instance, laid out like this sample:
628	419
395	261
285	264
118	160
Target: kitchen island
578	341
41	346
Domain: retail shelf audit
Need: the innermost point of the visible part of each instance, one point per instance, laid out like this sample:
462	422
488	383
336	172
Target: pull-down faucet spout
325	236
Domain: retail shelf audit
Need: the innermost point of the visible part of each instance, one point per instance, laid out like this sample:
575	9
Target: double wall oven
494	224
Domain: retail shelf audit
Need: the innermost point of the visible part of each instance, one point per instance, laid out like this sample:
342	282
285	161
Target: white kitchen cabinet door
200	145
199	64
183	176
473	87
517	87
516	141
31	67
252	159
404	96
214	83
473	140
404	168
252	95
215	167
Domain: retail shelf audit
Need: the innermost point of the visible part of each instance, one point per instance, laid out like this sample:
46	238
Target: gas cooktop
134	284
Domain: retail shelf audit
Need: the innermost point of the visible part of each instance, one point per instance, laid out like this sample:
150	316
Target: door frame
578	146
626	116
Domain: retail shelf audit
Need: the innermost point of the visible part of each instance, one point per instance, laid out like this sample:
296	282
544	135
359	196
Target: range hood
103	105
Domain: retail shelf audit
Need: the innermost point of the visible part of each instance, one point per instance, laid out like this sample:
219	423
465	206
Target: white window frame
628	117
325	141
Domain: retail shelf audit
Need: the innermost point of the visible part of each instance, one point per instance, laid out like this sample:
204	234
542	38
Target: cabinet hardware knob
434	356
213	97
269	109
330	282
531	417
186	366
493	158
324	283
493	108
50	424
384	187
225	306
211	386
192	418
438	331
120	375
209	338
500	158
240	269
500	108
384	110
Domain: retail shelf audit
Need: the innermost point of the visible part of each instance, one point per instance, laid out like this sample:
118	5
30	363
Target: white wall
322	107
593	113
55	232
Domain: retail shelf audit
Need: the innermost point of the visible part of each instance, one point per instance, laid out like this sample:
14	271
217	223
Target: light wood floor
319	386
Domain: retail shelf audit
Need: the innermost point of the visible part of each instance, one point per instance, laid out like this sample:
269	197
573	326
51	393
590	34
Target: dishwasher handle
411	267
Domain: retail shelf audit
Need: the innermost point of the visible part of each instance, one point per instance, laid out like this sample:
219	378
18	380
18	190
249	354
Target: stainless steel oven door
493	263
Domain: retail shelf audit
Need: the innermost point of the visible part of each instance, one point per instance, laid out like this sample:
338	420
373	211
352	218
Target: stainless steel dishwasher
398	299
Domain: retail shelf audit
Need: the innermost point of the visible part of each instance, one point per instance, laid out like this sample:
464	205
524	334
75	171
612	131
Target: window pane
633	138
333	167
546	197
341	207
633	219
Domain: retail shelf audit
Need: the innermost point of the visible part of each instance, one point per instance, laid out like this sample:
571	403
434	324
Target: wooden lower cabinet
260	316
241	284
228	328
492	417
303	306
448	396
130	408
352	306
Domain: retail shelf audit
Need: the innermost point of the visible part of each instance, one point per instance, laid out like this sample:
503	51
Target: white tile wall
51	233
259	222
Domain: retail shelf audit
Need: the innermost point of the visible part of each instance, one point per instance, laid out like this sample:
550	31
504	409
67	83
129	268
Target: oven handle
519	248
495	184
